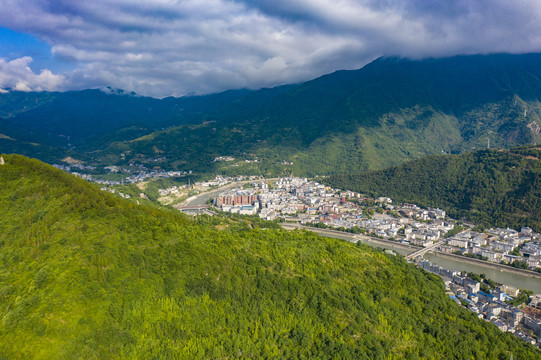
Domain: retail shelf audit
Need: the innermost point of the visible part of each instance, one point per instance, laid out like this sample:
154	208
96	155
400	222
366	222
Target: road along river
504	275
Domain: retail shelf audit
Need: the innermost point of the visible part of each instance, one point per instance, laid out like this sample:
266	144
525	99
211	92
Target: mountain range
390	111
86	274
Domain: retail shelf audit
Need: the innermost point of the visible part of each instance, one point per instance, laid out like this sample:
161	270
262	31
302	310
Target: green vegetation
519	264
455	230
87	275
522	298
352	230
379	116
488	187
382	115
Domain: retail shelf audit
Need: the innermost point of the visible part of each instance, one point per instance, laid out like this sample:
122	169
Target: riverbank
491	265
352	237
382	242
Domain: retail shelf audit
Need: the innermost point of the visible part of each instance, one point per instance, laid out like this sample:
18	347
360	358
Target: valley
98	261
340	123
82	267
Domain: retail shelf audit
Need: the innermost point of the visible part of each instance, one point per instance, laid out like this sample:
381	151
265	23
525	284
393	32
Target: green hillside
390	111
79	122
86	275
488	187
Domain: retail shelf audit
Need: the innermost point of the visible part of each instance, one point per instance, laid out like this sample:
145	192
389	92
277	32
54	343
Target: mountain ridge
387	112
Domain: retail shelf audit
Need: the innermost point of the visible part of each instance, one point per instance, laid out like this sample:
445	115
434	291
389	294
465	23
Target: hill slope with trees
87	275
390	111
488	187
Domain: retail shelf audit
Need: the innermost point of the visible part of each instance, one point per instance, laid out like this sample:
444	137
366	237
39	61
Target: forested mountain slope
389	111
85	121
87	275
488	187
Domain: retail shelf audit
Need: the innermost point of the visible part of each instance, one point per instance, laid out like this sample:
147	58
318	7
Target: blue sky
175	47
15	45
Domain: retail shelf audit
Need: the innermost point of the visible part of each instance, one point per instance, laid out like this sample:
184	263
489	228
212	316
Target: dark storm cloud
169	47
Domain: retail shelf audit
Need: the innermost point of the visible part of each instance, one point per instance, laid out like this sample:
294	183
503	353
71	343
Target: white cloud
173	47
16	74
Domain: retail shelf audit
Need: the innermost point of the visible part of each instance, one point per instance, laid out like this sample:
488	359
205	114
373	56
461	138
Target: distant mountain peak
115	91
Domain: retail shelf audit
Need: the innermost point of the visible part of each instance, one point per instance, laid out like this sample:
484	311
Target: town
132	175
495	305
310	203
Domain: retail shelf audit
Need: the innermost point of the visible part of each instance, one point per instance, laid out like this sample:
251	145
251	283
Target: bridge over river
421	252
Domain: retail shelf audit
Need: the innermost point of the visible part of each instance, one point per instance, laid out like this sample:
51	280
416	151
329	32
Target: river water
501	276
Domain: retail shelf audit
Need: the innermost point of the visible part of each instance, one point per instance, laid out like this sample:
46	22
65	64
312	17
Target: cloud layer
174	47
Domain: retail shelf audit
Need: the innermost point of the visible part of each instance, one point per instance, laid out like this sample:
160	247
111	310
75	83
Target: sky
165	48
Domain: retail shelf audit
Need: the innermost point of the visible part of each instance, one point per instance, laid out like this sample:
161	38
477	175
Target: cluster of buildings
309	203
223	158
499	245
74	167
129	176
525	322
286	197
238	201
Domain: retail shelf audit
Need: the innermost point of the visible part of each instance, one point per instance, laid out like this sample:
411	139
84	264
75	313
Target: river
501	276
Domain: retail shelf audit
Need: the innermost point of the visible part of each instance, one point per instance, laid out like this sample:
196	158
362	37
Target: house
490	255
500	324
510	290
526	230
533	261
473	297
510	258
485	297
532	323
503	246
459	242
472	285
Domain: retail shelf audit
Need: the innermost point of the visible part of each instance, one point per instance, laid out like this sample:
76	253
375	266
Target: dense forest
84	274
488	187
